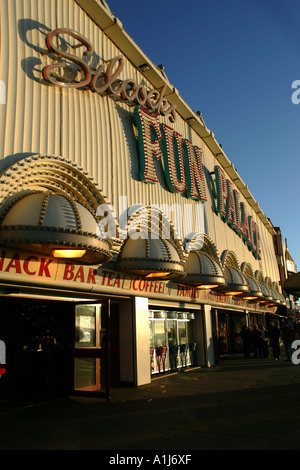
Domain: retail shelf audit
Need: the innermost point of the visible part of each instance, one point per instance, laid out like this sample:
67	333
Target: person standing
265	341
274	335
257	341
246	337
288	336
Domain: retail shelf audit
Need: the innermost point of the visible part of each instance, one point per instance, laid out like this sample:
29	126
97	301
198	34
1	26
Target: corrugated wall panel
86	134
29	122
10	34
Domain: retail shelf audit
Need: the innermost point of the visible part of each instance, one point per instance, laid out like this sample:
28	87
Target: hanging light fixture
203	266
281	298
236	284
266	294
274	294
68	253
255	292
151	249
54	225
203	271
151	258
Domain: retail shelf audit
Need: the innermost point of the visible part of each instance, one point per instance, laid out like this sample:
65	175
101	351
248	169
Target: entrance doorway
38	338
58	348
92	349
228	326
223	329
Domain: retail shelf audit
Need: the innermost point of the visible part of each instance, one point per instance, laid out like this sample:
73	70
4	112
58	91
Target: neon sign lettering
234	212
183	170
183	166
105	80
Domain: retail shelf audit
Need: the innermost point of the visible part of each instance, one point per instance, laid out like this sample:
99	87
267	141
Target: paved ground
238	405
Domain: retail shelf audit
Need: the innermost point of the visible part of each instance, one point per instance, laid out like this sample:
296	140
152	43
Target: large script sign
105	80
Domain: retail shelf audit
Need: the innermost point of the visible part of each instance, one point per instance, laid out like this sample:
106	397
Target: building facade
129	245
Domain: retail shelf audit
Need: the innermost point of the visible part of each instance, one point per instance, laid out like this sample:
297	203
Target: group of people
257	340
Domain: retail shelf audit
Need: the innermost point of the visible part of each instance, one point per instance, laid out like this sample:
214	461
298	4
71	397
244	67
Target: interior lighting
233	293
68	253
158	274
204	286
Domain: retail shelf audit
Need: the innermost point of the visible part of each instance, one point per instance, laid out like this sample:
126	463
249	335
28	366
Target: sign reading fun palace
181	161
184	173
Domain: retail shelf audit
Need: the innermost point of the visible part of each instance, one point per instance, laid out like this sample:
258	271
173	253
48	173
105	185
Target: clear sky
235	61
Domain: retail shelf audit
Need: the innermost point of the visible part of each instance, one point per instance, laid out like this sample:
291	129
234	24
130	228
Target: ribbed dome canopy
273	292
42	221
236	282
203	270
267	296
150	257
255	290
275	295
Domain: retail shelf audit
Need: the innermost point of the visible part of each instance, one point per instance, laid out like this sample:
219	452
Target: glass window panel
85	372
191	331
151	329
90	373
172	332
159	333
173	343
237	323
85	326
182	332
178	335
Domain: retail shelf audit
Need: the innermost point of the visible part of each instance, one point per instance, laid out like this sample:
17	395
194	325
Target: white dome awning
150	257
43	221
203	271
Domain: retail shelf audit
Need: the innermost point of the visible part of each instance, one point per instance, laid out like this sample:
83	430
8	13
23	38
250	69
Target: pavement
240	404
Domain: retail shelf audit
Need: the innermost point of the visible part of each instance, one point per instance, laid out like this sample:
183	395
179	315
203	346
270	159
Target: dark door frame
95	352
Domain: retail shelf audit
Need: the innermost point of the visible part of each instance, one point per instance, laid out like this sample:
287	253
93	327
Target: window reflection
172	340
85	327
90	347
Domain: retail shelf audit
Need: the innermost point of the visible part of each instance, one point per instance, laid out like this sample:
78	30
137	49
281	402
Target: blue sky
235	61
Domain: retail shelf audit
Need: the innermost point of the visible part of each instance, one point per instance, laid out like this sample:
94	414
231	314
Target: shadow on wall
30	65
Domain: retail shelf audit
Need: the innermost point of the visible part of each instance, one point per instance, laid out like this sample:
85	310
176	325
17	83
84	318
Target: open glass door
92	349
